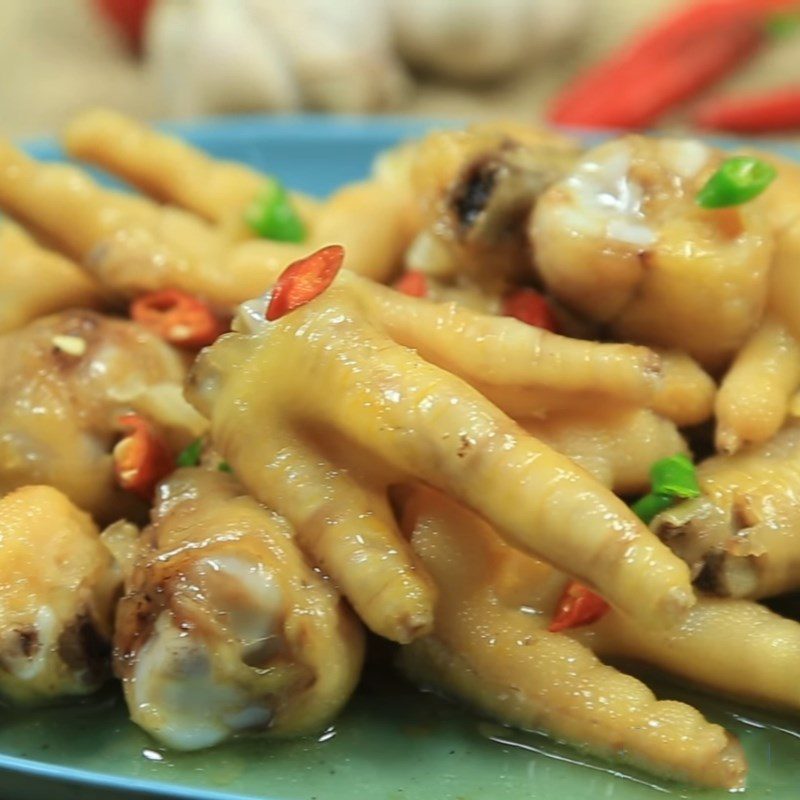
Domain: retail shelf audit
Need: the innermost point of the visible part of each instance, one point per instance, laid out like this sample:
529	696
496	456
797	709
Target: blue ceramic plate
392	743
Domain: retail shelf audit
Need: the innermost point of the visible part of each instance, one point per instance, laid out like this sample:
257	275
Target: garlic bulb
216	56
207	56
340	51
481	39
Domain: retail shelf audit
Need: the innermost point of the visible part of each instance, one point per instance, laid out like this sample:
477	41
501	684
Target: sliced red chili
178	317
579	605
412	283
141	458
304	280
528	306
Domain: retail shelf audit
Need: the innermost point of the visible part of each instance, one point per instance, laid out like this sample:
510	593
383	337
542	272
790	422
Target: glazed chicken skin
615	446
755	394
490	648
198	244
170	170
379	415
622	241
64	382
133	246
58	588
443	473
368	217
35	282
223	627
470	193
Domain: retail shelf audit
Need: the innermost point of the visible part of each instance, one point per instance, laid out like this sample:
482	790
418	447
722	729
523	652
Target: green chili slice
675	476
272	216
190	455
738	180
650	506
782	25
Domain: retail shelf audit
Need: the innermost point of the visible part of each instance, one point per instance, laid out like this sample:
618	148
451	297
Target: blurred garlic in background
482	39
212	56
217	56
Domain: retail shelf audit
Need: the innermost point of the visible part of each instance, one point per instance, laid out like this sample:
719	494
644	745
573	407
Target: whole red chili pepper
304	280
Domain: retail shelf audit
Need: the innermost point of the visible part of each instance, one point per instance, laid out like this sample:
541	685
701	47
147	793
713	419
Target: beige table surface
56	58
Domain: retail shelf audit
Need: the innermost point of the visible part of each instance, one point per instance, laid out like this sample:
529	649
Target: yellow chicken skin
755	394
471	193
741	538
129	244
616	446
531	373
622	241
527	371
753	398
320	411
223	627
735	648
781	204
168	169
685	393
134	246
368	217
490	647
58	588
64	382
35	282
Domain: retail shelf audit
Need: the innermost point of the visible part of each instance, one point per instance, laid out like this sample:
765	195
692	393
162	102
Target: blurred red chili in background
128	17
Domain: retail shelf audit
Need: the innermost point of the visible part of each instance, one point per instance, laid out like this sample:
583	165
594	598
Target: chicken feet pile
417	464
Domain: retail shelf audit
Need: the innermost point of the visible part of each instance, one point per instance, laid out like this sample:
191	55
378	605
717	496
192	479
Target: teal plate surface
392	742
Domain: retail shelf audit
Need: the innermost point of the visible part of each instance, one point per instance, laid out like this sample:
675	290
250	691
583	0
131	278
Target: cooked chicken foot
64	382
753	399
58	587
325	393
622	241
35	281
742	537
369	218
224	628
490	648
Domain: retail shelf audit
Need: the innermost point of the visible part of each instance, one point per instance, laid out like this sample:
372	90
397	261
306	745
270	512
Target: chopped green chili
782	25
224	466
190	455
738	180
674	477
650	506
272	216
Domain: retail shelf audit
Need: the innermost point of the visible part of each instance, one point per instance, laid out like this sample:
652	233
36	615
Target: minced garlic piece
73	345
